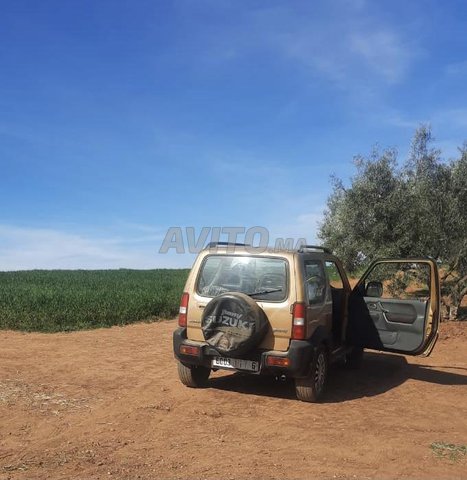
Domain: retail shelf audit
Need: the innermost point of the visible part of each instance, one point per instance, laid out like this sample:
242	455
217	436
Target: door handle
384	310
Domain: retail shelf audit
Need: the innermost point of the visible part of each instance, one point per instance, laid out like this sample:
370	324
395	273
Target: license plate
235	364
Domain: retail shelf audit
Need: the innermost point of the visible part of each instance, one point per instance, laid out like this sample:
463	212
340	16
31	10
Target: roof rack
226	244
306	248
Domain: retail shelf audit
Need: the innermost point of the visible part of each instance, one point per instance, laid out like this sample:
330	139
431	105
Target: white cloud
445	119
455	117
397	118
304	225
449	148
26	248
38	248
347	42
384	53
457	69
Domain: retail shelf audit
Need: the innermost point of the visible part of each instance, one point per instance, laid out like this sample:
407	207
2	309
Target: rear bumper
300	354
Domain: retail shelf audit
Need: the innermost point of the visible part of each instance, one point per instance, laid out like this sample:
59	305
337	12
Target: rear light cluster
298	321
277	361
182	317
189	350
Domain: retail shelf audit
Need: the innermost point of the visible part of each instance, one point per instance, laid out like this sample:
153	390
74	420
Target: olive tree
401	209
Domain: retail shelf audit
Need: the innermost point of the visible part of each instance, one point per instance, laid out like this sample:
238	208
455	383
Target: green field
65	300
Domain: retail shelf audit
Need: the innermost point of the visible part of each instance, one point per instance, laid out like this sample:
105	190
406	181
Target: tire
310	388
193	376
353	360
233	323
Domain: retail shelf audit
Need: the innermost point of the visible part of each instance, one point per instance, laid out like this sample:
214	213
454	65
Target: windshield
261	277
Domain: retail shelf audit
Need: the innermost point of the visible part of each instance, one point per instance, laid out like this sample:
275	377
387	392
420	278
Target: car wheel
193	376
310	388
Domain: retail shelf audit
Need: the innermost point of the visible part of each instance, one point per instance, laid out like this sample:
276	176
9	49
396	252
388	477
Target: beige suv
292	312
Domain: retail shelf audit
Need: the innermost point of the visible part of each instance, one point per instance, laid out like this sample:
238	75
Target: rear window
262	277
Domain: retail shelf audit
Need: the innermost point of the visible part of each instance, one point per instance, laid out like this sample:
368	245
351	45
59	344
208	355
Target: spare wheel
233	323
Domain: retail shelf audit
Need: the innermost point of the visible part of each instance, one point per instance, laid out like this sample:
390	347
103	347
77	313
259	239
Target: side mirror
374	289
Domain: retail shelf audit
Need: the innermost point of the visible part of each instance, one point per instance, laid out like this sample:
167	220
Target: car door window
338	300
315	282
334	276
402	281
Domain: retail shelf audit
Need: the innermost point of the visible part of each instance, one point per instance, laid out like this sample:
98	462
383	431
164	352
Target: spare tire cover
233	323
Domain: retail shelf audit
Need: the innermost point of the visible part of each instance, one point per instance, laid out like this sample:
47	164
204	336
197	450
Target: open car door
395	307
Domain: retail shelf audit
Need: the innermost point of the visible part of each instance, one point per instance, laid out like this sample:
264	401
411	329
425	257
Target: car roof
222	248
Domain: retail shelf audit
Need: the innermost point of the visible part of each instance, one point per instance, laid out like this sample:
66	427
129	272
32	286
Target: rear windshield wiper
264	292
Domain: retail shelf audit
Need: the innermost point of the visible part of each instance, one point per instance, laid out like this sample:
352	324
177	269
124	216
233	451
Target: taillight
189	350
183	309
298	321
272	361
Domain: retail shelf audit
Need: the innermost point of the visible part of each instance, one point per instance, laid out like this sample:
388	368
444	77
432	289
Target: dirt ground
108	404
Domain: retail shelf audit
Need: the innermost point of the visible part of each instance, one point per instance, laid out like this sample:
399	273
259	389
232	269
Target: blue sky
120	119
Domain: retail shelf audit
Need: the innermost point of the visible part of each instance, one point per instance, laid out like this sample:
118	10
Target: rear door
266	279
395	307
